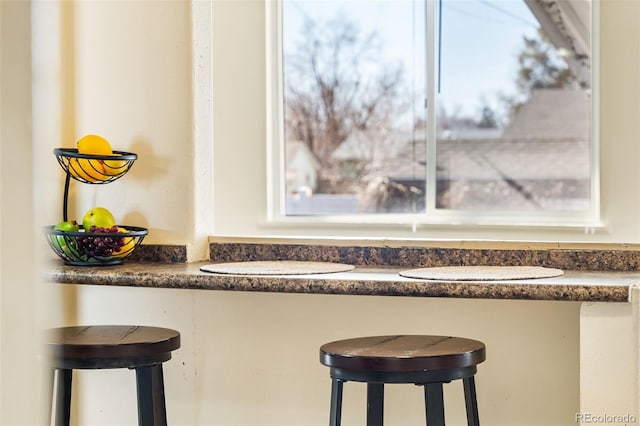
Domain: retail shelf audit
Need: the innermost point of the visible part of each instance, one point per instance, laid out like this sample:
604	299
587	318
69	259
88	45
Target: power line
507	13
493	18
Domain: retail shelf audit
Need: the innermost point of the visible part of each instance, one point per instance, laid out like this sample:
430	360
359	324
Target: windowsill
417	222
406	228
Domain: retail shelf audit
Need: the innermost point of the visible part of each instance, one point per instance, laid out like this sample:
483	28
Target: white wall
126	71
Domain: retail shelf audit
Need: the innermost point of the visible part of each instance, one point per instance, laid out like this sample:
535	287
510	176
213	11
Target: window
448	110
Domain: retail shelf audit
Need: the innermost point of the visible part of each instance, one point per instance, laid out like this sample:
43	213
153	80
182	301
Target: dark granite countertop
574	285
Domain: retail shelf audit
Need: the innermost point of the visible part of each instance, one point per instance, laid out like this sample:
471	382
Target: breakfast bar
606	298
581	286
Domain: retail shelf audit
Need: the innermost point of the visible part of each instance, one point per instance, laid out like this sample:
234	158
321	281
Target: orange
95	145
89	170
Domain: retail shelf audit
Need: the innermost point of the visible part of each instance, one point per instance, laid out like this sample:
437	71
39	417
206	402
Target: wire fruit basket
92	248
94	169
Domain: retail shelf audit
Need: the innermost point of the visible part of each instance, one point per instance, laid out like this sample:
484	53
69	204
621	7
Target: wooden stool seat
427	361
113	346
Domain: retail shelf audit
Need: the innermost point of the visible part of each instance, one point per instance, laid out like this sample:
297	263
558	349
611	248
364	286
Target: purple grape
101	246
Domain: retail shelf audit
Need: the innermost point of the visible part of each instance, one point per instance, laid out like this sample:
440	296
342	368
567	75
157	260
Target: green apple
67	226
99	217
64	244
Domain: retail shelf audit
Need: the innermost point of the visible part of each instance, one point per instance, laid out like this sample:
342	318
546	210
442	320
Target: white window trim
584	221
275	112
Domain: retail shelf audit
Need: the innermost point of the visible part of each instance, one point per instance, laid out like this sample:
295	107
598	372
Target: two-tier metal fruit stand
72	246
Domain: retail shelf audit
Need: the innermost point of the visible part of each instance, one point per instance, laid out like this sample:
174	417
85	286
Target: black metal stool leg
51	382
434	404
471	401
336	402
151	402
63	397
375	404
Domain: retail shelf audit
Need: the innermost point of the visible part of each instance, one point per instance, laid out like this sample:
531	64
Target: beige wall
126	70
152	96
21	295
252	359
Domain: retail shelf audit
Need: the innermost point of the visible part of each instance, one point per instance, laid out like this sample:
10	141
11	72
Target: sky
480	40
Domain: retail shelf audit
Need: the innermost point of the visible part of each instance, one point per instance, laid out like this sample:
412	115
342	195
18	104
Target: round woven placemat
482	273
276	267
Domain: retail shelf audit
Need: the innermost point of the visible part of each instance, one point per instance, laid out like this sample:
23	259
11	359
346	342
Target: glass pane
514	117
354	119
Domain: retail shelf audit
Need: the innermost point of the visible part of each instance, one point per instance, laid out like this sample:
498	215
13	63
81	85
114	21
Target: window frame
276	216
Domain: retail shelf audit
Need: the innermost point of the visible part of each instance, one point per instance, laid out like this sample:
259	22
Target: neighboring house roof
552	114
495	159
295	148
516	159
362	146
470	133
547	139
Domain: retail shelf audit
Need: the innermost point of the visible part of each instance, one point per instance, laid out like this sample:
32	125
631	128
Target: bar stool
427	361
143	349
